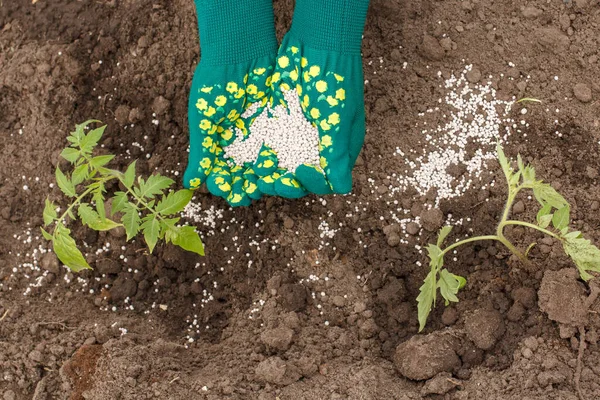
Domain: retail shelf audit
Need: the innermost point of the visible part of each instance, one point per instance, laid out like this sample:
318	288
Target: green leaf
561	219
80	174
174	202
188	239
426	298
546	194
66	250
514	179
91	218
168	229
49	213
98	197
528	99
129	177
118	202
506	168
542	215
131	220
449	285
584	254
520	163
572	235
70	154
46	235
151	230
528	176
444	232
90	141
434	253
65	184
154	185
101	161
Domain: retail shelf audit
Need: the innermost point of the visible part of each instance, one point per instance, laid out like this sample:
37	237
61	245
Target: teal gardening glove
239	47
320	58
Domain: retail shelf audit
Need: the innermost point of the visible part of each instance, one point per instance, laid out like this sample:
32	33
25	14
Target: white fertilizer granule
285	130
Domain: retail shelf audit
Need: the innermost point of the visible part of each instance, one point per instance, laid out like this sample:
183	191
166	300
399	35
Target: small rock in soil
122	114
293	297
423	357
547	378
278	338
442	383
432	219
9	395
274	370
339	301
49	262
484	328
561	296
526	296
118	232
160	105
288	223
553	40
582	92
431	49
412	228
393	240
519	207
591	172
531	12
122	289
449	316
474	75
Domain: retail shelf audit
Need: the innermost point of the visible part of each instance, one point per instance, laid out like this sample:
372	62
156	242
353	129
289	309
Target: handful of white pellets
285	130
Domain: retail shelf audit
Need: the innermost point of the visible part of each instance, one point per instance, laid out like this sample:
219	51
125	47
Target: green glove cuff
232	32
331	25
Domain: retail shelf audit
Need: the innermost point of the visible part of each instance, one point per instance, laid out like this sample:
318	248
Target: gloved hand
320	59
238	50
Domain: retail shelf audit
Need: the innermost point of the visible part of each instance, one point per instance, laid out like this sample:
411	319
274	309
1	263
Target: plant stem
532	226
469	240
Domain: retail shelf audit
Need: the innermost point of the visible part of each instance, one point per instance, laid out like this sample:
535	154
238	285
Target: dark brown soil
304	320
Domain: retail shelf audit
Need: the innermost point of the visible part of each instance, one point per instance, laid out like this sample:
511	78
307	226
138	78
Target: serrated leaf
118	202
91	218
520	163
514	179
154	185
444	232
572	235
70	154
46	235
98	196
80	174
90	140
545	221
449	285
188	239
426	298
528	176
561	218
506	168
65	185
174	202
129	176
49	213
101	161
168	229
544	211
151	229
131	220
66	250
584	254
546	194
434	253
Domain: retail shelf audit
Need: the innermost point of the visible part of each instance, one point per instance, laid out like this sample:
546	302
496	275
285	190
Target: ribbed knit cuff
235	31
333	25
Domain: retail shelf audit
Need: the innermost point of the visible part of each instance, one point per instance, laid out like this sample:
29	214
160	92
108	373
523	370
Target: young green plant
552	219
143	205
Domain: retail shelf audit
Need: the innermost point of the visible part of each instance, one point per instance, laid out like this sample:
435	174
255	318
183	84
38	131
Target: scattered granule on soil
285	130
456	151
